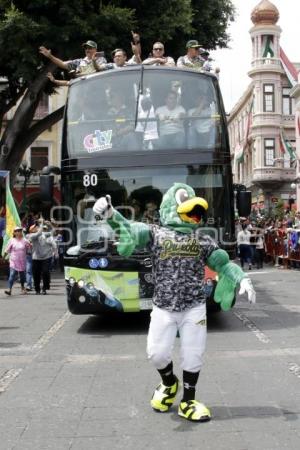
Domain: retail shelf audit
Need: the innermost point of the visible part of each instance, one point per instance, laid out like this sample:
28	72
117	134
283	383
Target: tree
63	26
176	21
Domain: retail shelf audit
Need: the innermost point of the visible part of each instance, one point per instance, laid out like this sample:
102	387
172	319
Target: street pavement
83	382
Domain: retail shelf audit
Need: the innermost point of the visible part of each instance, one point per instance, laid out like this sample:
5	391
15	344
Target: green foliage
63	26
279	211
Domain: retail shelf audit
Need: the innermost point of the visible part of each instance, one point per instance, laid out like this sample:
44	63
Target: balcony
272	176
265	65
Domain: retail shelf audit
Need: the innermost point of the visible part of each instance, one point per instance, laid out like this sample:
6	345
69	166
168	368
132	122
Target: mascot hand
103	208
246	286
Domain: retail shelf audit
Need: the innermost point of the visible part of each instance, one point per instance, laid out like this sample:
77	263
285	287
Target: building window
269	152
42	109
269	98
288	103
39	158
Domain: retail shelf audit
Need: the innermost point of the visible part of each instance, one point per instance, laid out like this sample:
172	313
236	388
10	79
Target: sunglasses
159	49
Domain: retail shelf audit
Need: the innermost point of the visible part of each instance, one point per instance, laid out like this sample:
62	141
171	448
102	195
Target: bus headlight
72	281
81	299
81	283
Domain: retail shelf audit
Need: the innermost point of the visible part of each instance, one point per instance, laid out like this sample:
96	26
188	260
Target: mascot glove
246	286
103	208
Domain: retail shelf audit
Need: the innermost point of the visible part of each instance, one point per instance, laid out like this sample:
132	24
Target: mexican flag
289	68
239	153
286	147
12	216
268	47
240	148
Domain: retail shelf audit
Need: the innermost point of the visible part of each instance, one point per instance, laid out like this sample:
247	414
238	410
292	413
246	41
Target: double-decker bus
131	133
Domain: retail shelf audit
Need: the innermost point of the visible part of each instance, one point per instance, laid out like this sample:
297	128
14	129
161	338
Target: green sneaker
194	411
164	396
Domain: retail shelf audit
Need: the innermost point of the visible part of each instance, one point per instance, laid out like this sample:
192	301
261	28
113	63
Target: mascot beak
193	210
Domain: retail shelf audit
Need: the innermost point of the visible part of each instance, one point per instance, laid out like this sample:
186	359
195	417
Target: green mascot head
181	209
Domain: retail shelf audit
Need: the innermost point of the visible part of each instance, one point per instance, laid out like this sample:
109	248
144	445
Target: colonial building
262	123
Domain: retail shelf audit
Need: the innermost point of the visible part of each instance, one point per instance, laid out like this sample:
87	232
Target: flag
12	216
286	147
289	68
268	49
249	122
241	147
239	153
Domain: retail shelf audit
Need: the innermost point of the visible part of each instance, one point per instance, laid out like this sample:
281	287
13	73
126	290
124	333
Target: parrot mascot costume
179	254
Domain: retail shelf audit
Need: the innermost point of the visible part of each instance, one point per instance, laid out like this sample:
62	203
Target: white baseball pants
192	328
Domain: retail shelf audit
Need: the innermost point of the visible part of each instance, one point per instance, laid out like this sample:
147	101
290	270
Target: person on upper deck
80	66
158	57
192	59
120	59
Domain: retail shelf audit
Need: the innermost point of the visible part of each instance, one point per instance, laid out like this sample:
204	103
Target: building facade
262	123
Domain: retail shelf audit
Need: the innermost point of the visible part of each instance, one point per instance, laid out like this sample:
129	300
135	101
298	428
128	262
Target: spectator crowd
263	239
34	251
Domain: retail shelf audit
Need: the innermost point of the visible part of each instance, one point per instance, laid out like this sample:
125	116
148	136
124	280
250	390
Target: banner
286	147
241	147
12	216
268	48
289	68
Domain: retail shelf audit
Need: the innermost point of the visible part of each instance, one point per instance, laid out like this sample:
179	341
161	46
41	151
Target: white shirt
170	120
149	126
152	61
204	123
243	237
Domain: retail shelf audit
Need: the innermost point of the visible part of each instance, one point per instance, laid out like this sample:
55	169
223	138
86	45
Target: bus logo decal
99	140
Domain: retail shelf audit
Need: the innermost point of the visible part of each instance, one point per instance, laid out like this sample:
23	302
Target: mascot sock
167	375
189	385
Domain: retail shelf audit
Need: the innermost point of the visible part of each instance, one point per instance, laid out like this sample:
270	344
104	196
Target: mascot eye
181	196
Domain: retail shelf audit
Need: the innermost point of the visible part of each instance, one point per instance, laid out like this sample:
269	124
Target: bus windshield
137	194
142	109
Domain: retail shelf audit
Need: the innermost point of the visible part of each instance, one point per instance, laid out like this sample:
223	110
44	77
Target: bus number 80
90	179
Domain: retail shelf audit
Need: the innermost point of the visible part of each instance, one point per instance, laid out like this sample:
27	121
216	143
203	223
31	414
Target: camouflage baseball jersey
178	267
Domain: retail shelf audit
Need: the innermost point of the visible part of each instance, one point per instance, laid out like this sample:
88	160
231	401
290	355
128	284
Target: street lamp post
25	172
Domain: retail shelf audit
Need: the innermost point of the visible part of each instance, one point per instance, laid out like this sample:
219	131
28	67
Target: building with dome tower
262	123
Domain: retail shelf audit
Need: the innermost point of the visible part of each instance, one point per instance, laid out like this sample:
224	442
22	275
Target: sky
235	61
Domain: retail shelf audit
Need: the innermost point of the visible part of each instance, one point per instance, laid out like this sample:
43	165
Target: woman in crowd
16	249
244	246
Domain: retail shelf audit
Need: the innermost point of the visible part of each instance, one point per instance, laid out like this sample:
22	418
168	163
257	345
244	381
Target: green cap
193	44
91	44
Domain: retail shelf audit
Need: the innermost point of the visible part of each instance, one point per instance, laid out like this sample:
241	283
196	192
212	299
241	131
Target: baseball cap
91	44
18	229
193	44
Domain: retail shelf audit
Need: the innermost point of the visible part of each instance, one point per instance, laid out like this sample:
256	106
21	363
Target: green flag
12	217
286	147
268	47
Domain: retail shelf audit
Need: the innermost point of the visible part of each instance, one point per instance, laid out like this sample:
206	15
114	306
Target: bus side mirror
46	187
243	203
